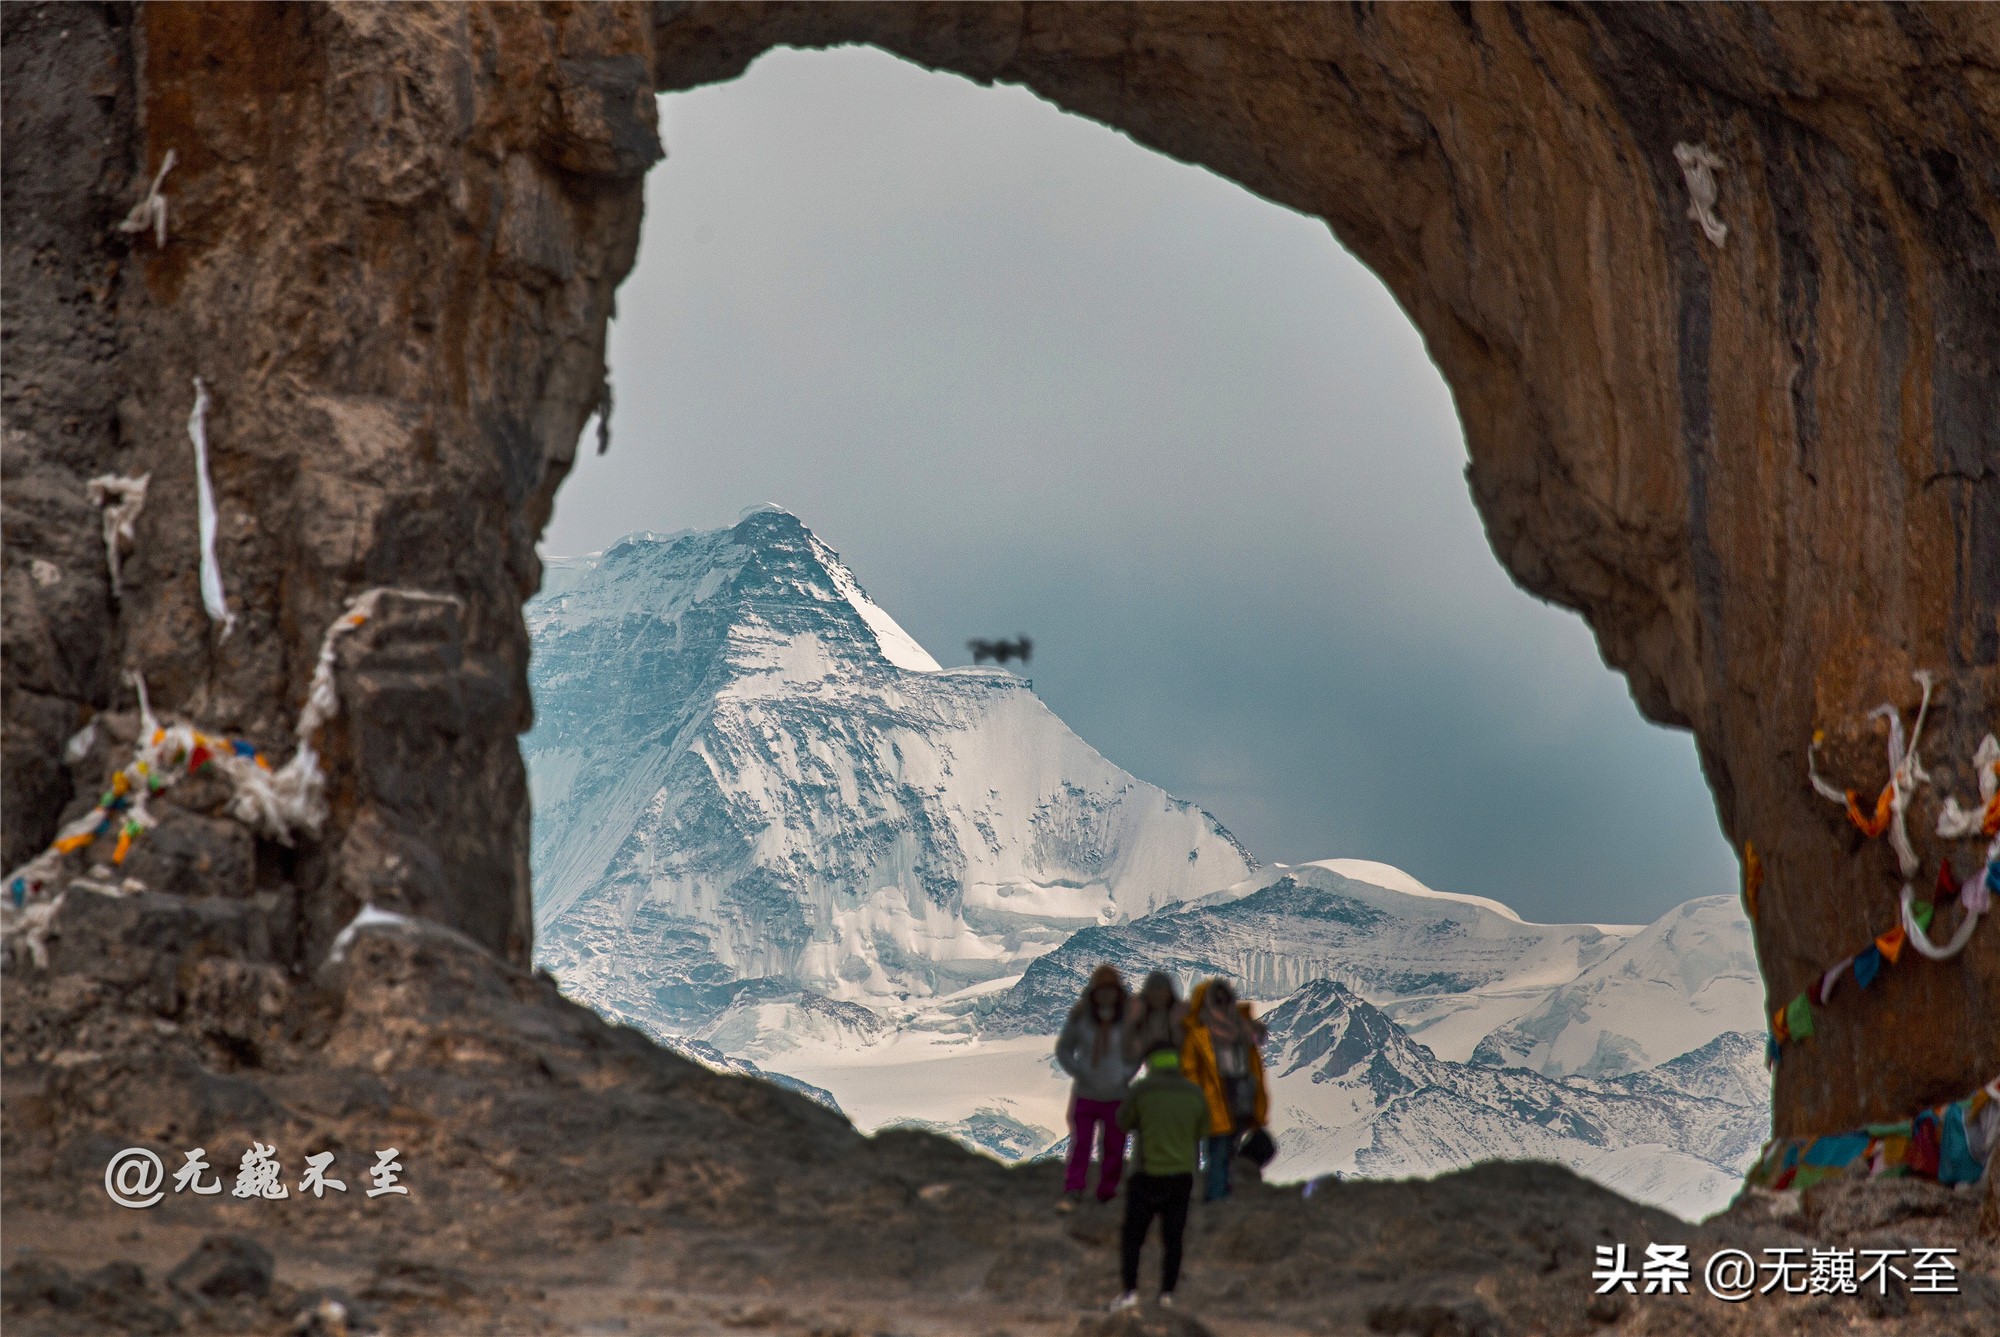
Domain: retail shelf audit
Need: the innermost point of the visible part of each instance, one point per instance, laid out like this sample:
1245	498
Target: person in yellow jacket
1221	1055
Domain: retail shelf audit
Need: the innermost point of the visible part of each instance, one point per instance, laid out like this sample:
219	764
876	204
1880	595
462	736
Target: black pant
1147	1196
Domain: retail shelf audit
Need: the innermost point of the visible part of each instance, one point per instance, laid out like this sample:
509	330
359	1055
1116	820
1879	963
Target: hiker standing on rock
1222	1057
1156	1018
1091	1049
1170	1114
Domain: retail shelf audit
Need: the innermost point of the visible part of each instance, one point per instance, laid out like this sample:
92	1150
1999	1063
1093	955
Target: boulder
222	1267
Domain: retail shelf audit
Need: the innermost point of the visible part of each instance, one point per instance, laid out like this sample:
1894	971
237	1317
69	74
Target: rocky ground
567	1176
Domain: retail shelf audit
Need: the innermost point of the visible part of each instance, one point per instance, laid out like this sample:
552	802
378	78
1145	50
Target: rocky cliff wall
1766	468
393	236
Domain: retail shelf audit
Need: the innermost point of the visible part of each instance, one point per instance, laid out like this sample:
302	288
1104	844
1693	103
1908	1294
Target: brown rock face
1767	471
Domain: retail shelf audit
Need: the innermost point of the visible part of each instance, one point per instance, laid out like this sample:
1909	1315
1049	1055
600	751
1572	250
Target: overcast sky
1027	376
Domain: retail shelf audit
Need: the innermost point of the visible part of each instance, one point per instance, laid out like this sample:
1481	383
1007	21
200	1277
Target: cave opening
1028	378
1023	373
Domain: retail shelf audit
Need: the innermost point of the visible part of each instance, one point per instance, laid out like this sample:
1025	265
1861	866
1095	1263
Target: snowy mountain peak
743	768
1329	1029
1394	878
1662	991
776	577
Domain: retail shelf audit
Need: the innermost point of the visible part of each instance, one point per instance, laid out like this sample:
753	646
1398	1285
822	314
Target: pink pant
1085	1118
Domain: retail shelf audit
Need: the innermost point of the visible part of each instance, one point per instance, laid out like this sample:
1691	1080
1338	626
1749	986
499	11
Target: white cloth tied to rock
121	500
211	570
1914	932
1956	823
275	804
1906	772
151	210
294	796
1699	164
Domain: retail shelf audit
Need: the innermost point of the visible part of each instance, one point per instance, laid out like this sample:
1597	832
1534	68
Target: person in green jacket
1170	1114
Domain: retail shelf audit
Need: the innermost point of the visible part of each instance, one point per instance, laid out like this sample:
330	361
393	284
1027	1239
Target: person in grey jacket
1157	1018
1092	1050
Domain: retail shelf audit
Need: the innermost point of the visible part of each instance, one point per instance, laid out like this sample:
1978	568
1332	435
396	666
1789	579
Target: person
1170	1114
1221	1055
1091	1049
1156	1017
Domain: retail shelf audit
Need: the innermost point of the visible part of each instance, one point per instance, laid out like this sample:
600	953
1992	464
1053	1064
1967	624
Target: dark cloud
1029	377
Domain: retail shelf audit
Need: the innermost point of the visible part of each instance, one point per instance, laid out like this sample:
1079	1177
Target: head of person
1221	997
1158	992
1104	996
1163	1058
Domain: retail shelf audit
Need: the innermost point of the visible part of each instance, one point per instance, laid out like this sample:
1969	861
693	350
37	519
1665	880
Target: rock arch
1765	469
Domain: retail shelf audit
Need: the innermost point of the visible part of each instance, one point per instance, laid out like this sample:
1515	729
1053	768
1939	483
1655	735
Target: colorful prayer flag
1879	822
1867	966
1798	1017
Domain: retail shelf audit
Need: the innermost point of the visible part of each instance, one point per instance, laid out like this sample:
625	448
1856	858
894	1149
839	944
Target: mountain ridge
1411	1112
744	764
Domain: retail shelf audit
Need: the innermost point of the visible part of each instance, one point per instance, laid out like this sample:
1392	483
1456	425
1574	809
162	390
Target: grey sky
1027	376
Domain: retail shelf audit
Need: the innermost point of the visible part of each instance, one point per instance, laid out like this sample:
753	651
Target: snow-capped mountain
768	1022
1352	1092
1729	1068
1464	975
744	770
1459	964
1668	988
